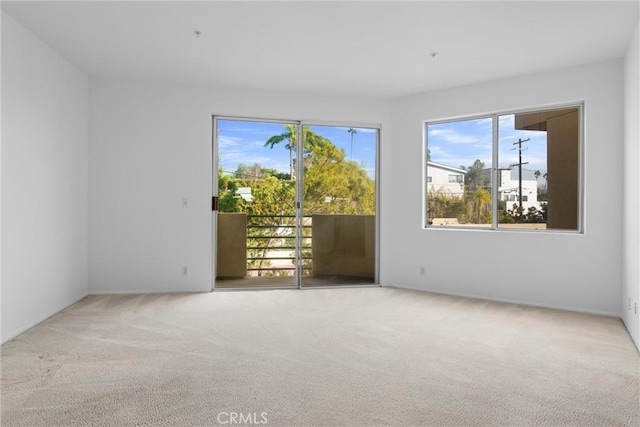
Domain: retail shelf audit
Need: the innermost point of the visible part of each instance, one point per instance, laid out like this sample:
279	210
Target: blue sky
243	142
460	143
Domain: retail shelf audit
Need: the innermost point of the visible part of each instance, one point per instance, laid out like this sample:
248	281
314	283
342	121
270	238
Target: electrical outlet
422	271
185	270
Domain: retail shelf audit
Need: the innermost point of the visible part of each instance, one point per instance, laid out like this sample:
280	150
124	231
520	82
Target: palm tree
310	139
352	131
482	199
289	135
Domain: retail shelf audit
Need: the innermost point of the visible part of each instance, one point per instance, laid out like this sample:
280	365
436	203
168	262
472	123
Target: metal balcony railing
271	243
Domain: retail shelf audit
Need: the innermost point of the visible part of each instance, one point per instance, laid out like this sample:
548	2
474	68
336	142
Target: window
429	179
514	170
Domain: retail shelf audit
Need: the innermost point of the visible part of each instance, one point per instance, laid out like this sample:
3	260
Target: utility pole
519	164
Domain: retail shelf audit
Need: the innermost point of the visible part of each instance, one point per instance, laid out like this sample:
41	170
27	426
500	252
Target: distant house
510	185
445	179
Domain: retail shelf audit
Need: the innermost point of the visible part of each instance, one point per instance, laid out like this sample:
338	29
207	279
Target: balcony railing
271	244
265	245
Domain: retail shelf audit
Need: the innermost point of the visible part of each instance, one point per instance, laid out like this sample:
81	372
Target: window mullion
494	174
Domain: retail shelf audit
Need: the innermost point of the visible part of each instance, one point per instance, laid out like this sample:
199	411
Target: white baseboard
633	338
511	301
148	291
11	335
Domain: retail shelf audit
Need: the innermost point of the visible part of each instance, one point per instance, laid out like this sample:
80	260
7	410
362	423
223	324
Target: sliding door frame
299	200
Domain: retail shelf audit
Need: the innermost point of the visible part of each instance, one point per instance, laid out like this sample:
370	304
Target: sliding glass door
295	204
256	198
339	205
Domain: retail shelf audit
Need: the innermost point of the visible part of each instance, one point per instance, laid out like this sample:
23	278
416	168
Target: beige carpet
348	357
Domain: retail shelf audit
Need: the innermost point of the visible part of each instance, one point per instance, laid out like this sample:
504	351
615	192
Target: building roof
445	167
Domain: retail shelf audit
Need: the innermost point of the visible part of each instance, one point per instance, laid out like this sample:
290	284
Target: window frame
495	115
455	178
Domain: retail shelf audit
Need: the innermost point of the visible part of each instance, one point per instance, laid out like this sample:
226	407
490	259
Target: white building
510	185
445	179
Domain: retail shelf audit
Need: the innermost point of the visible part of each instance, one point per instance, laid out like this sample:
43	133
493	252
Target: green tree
227	186
257	172
335	185
479	206
476	177
332	184
477	198
247	172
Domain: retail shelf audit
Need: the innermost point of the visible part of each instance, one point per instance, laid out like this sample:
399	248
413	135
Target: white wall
578	272
151	146
631	292
45	102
